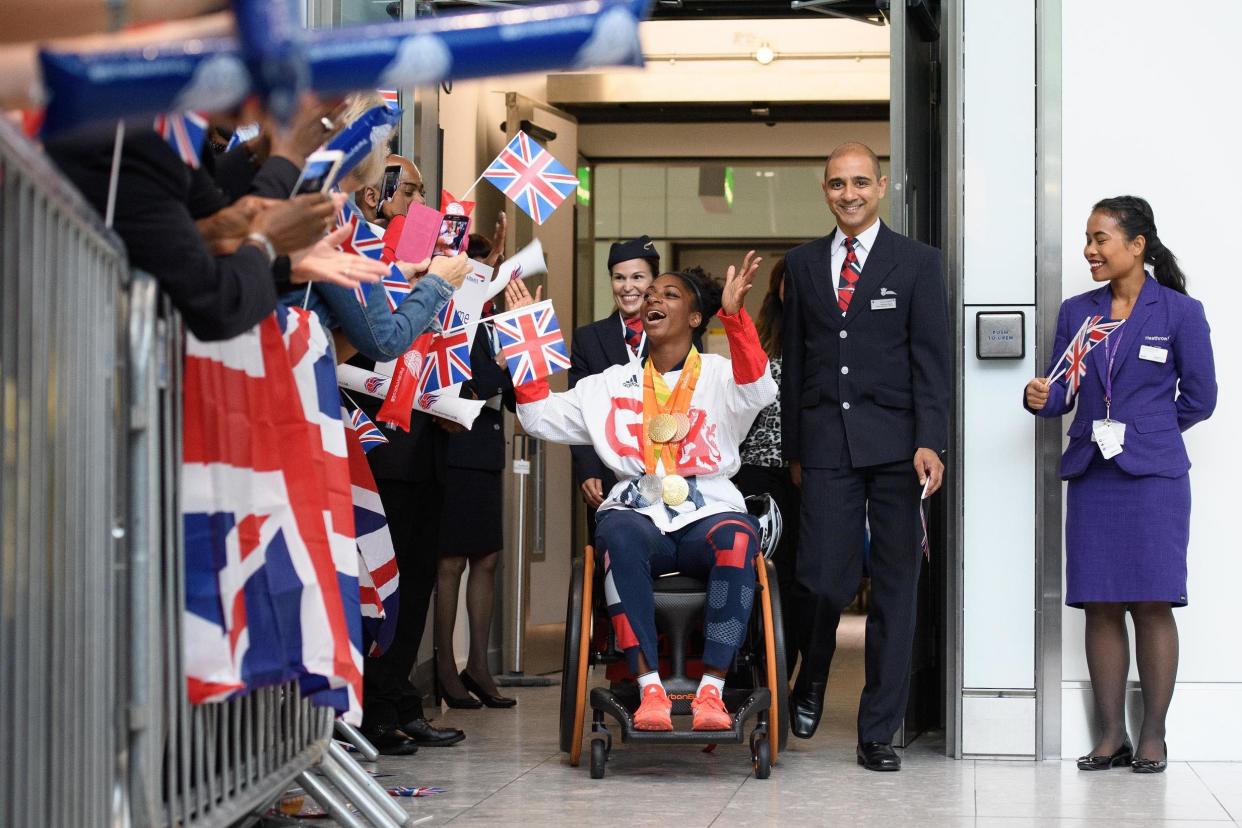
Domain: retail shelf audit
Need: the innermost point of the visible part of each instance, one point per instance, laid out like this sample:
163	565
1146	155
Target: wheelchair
756	688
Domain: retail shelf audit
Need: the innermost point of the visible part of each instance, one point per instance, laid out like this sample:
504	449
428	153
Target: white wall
998	264
1150	107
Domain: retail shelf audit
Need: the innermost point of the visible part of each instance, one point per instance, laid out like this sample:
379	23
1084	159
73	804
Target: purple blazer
1156	400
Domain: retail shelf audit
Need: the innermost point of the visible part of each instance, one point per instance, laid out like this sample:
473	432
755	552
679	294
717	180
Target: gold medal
683	427
676	489
662	428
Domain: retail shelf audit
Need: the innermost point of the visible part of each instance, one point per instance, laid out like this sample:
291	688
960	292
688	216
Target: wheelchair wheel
576	664
773	670
599	758
781	657
761	759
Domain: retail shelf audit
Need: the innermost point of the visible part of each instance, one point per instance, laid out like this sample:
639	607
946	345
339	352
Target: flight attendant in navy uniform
865	389
1127	521
614	340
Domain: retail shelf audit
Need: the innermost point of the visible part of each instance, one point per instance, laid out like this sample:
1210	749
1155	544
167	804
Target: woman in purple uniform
1128	511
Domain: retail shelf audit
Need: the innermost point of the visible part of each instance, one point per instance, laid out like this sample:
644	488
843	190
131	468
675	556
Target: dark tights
1108	659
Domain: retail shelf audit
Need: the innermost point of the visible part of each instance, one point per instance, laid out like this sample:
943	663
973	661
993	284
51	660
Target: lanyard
657	399
1111	346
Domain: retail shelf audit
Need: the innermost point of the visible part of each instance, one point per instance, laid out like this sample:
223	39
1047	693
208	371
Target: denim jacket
377	332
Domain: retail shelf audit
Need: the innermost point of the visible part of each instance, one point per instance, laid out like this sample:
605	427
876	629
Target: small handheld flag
1073	363
533	179
531	342
185	132
369	436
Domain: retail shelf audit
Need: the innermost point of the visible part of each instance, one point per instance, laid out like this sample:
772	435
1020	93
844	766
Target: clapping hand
498	242
517	296
737	282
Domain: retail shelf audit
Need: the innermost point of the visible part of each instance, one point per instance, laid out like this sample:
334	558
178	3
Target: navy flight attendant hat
639	248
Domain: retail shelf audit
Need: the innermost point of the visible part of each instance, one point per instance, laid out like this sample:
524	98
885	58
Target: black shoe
467	702
487	698
1141	765
421	731
390	742
1120	757
878	756
805	708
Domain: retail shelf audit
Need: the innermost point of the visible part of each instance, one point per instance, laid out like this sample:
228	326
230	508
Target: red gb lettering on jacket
624	427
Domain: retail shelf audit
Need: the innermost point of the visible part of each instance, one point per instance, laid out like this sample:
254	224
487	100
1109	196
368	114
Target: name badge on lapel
1153	354
884	304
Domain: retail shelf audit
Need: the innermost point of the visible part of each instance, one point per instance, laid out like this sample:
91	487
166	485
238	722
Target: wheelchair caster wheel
760	759
599	755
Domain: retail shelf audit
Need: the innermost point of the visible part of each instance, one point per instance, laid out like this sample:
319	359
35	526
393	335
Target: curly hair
705	290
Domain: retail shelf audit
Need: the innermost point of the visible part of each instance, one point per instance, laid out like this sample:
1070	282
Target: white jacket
605	411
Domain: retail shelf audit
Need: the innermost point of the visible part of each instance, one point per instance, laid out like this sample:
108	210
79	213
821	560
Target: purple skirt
1126	537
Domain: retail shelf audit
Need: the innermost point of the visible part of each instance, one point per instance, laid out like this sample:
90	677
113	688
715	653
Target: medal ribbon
658	399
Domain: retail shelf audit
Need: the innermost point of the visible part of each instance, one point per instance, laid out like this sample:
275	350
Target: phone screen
316	175
453	238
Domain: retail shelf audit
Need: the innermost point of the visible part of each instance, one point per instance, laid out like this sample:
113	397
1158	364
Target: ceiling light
764	55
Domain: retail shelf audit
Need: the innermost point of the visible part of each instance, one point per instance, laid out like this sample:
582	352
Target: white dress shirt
864	242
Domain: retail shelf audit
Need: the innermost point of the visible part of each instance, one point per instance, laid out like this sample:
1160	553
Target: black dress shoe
467	702
421	731
878	756
805	708
1140	765
1120	757
487	698
390	742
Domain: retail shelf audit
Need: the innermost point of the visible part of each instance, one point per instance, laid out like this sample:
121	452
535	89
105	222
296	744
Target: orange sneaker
655	711
709	710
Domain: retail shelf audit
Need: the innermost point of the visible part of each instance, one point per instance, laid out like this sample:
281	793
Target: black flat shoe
878	756
467	703
390	741
1141	765
806	706
1122	756
487	698
424	735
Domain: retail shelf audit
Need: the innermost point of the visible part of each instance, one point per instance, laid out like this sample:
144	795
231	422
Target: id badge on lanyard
1109	434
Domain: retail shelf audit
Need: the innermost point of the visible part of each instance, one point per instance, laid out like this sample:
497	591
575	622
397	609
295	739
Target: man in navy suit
613	340
865	392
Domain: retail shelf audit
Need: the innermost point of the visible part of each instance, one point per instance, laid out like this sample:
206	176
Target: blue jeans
377	332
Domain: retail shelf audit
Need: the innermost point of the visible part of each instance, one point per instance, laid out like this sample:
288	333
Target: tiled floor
509	772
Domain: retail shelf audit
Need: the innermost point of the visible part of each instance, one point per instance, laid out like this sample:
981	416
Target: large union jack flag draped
531	342
1073	363
530	176
185	132
272	587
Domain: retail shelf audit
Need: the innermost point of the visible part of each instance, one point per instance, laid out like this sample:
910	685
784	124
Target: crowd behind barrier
92	593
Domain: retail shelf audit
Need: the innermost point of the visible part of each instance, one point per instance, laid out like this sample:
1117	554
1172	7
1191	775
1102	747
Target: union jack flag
531	342
391	97
1073	363
451	317
185	132
377	562
529	175
365	242
447	361
271	569
369	435
241	135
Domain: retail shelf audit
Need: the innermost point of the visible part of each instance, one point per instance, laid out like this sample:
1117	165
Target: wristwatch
265	244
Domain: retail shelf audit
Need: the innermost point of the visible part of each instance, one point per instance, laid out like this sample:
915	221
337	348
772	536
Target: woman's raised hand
517	296
1037	393
737	282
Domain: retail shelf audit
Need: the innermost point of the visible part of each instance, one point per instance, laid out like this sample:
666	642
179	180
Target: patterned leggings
720	548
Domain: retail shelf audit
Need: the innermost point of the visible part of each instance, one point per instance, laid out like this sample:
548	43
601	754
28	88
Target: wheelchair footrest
750	705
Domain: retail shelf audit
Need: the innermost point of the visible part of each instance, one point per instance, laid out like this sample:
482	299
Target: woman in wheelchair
670	427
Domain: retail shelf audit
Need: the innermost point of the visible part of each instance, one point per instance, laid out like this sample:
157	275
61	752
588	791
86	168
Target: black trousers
797	602
389	698
836	507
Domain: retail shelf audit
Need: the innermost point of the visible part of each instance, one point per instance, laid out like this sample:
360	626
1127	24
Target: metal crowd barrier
95	726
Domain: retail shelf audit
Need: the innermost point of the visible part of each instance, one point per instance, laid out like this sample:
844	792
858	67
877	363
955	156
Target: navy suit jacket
872	386
1157	401
596	347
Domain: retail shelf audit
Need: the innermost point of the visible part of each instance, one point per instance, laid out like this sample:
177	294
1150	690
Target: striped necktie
850	271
